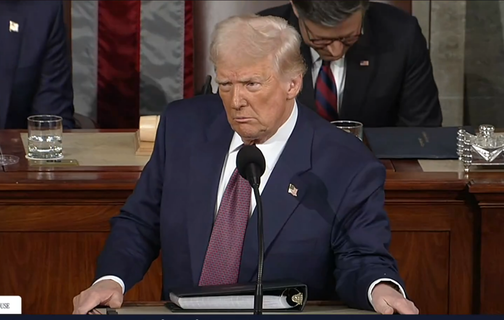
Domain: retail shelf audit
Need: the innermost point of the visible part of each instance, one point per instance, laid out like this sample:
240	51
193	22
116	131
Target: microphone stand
253	170
258	297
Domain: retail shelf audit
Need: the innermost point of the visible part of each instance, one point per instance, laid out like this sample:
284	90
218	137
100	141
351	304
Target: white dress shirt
271	149
338	69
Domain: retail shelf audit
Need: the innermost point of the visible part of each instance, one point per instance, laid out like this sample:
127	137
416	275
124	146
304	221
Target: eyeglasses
346	41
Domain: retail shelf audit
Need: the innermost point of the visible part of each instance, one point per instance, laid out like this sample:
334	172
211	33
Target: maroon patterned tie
223	257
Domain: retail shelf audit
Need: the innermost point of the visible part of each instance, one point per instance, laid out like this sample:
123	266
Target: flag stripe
131	58
84	56
161	55
118	64
189	50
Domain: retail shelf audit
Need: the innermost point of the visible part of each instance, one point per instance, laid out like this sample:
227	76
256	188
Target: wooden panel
492	260
423	259
420	217
463	267
454	221
71	254
48	269
489	192
29	218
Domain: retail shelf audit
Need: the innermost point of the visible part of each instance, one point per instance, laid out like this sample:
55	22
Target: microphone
251	164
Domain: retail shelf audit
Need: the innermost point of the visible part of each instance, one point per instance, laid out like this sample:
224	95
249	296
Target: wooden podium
158	308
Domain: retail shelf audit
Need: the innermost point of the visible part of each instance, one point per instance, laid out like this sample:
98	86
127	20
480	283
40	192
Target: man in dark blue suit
373	57
35	68
322	190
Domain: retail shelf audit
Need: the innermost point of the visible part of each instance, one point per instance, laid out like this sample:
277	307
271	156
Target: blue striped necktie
326	93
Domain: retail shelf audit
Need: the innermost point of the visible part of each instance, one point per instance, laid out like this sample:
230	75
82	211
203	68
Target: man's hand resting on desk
387	300
105	292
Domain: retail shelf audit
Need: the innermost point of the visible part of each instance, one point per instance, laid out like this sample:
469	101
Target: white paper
229	302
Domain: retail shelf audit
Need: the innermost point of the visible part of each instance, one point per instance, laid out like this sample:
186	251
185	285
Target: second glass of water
45	137
353	127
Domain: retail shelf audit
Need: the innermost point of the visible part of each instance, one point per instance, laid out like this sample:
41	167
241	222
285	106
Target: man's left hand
387	300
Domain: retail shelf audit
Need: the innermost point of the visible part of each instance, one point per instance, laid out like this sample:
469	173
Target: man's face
256	100
332	43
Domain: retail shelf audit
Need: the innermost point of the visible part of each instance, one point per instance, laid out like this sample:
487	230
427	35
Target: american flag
130	58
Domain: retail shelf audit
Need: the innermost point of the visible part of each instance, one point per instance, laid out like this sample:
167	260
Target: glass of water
45	137
353	127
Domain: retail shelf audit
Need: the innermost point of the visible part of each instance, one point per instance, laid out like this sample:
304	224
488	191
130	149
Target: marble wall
443	24
484	63
466	40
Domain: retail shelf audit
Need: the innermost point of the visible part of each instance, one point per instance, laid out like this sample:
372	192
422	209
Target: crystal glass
8	160
353	127
45	137
483	149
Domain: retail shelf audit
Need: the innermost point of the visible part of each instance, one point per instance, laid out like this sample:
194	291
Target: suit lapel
206	164
10	44
360	70
278	204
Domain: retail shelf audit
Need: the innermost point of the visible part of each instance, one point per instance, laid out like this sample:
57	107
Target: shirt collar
281	136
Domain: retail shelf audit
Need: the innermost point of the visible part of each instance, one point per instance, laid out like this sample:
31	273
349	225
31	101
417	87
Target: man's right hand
105	292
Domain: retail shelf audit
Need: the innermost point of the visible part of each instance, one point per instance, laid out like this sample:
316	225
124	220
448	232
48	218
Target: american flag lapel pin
13	26
293	190
364	63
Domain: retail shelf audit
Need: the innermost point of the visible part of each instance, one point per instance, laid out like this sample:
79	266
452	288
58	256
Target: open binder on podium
278	297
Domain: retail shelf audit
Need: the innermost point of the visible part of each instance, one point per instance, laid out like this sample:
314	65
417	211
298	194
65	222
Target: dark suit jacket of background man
397	88
335	228
35	68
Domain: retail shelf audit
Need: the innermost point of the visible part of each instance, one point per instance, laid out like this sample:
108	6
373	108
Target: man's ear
295	86
294	9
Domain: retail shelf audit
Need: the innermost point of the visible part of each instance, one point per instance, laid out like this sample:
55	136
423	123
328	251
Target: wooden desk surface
158	308
117	157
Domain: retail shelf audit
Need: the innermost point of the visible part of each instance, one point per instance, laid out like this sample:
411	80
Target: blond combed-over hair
253	38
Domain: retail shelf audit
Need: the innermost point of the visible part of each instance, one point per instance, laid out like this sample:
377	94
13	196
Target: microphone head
248	155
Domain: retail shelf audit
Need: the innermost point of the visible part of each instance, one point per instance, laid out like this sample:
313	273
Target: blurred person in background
35	65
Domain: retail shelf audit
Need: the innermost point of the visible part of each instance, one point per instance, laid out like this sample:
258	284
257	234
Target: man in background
35	68
192	205
367	62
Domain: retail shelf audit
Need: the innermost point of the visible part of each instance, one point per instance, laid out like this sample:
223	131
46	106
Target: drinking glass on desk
353	127
7	159
45	137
